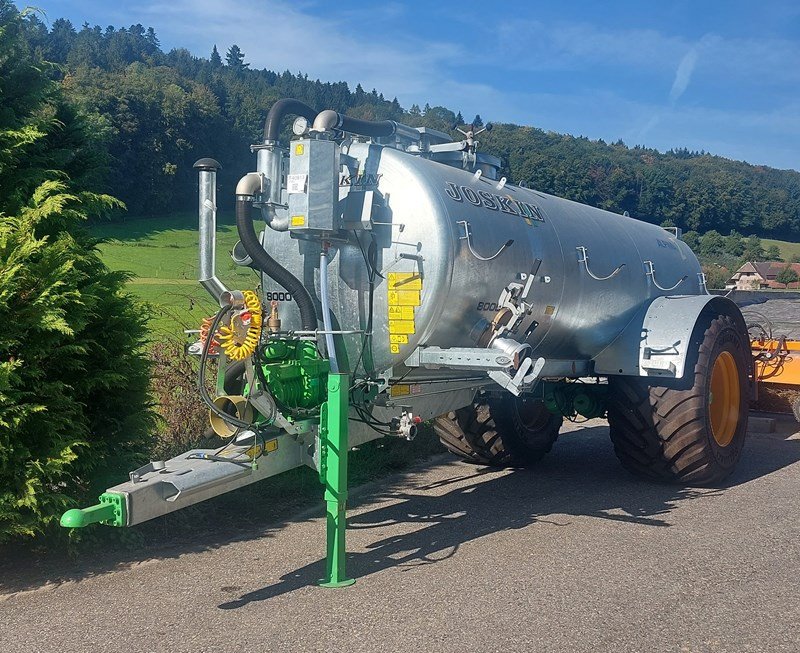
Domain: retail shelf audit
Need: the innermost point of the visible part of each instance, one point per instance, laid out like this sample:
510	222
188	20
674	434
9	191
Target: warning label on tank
404	295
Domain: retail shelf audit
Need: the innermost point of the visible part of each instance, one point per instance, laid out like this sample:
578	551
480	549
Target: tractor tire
506	432
689	430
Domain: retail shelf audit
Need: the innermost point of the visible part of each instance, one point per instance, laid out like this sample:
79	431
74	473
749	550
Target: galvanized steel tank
578	307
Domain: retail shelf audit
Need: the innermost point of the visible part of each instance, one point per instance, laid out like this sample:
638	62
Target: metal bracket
526	375
513	298
468	237
463	358
583	257
497	364
650	271
152	466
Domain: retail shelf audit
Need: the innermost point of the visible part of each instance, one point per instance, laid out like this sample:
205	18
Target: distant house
755	276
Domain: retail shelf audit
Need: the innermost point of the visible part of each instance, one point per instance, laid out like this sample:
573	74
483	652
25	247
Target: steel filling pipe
326	310
207	275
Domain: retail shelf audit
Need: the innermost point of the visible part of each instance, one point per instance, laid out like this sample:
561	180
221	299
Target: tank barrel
207	209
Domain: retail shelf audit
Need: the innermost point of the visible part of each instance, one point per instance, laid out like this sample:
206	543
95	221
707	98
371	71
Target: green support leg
333	473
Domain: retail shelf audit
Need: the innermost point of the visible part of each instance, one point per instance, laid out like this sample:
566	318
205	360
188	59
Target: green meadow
162	255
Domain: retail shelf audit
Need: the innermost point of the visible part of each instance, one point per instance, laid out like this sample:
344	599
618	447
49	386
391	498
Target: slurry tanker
398	280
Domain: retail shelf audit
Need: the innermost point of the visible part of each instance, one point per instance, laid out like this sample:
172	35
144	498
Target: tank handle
583	257
468	237
650	271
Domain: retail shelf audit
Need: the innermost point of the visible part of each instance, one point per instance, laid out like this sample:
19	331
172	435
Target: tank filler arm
329	120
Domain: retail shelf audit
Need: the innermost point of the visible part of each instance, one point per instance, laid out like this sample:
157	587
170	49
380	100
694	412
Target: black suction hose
371	128
269	266
281	108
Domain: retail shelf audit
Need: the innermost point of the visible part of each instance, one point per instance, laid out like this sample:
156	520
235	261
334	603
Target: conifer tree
73	377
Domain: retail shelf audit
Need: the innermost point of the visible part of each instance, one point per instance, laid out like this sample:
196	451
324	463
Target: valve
405	426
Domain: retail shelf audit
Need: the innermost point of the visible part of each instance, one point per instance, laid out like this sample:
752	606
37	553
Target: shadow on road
580	478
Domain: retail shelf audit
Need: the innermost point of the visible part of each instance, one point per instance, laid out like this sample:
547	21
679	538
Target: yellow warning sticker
404	293
271	445
404	281
298	220
400	390
404	298
299	149
401	326
401	312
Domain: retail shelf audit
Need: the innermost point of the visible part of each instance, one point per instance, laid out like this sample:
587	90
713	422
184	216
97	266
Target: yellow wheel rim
724	399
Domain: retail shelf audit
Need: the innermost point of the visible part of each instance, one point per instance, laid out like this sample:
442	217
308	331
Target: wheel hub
724	399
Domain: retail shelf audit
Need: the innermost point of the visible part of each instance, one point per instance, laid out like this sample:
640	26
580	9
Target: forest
152	113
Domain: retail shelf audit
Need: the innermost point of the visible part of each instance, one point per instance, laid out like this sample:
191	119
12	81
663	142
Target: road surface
574	555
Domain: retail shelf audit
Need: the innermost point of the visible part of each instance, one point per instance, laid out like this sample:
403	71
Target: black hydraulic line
201	379
281	108
234	383
269	266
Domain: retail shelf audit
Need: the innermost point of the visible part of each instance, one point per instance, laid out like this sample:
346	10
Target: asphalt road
572	556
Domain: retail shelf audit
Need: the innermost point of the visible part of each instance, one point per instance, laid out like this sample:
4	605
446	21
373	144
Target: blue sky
718	76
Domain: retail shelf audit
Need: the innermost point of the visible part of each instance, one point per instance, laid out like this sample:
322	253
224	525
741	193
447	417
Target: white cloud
683	75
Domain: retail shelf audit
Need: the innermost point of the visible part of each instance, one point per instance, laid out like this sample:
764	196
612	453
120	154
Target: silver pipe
405	131
270	165
327	120
207	227
326	311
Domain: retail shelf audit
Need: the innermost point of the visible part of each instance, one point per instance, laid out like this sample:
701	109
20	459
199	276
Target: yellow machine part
239	338
777	361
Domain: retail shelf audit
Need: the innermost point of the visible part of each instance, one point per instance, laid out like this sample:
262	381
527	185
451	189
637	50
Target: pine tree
477	122
216	60
235	58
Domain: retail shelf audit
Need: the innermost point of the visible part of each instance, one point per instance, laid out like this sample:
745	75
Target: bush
74	409
183	417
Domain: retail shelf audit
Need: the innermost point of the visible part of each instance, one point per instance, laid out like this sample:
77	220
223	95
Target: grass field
162	254
788	250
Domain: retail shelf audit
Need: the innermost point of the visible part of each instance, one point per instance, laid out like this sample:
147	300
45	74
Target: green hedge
74	412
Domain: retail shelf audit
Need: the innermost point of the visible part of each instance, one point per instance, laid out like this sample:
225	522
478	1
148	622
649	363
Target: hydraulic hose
269	266
281	108
201	379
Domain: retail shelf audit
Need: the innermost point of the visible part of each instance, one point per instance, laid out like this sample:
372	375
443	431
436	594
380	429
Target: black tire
506	432
666	431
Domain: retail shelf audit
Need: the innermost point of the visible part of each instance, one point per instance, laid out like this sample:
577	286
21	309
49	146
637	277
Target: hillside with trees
152	113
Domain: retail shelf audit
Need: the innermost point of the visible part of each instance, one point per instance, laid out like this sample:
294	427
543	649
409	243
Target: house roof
768	271
771	269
